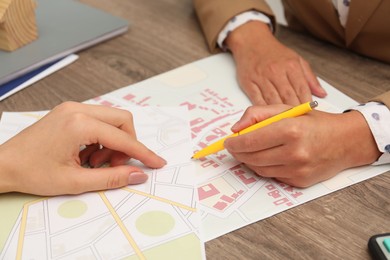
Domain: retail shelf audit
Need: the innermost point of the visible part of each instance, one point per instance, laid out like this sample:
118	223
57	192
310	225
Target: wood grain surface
165	34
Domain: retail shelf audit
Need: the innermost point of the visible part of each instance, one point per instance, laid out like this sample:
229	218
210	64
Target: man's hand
268	71
304	150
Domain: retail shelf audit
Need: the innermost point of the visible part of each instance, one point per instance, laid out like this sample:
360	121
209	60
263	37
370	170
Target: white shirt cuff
377	116
238	21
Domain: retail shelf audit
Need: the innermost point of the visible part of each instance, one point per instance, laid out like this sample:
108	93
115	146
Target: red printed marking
221	156
129	97
227	198
199	128
274	194
235	195
207	191
209	163
106	103
246	180
196	121
143	100
220	205
189	105
283	201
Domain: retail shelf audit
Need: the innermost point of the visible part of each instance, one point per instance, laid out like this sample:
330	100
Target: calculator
379	246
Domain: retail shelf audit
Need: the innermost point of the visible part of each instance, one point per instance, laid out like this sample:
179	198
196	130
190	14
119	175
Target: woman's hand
45	158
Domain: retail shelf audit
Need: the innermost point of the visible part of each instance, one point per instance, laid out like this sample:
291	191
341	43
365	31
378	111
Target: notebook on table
64	27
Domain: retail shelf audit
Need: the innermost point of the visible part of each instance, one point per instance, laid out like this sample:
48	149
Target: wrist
6	181
253	32
360	148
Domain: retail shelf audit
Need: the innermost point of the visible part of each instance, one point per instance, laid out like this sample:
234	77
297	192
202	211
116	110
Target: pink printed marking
221	156
274	194
209	163
143	100
210	138
207	191
227	198
296	194
283	201
270	187
246	180
106	103
189	105
196	121
129	97
199	128
220	205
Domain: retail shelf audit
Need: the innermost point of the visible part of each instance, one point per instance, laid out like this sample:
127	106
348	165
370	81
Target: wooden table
165	34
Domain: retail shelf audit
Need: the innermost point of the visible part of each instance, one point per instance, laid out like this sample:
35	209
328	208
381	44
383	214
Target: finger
119	118
285	90
86	153
84	180
314	84
297	79
270	93
254	94
276	171
100	157
118	140
300	183
255	114
258	140
267	157
107	155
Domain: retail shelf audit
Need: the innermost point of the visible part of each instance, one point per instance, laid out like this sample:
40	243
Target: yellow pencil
293	112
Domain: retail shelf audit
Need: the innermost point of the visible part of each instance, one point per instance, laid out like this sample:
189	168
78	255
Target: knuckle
286	92
75	119
270	96
250	110
292	131
300	156
128	115
66	106
292	64
272	69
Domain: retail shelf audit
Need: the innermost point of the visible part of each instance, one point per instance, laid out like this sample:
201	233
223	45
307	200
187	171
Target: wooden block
17	23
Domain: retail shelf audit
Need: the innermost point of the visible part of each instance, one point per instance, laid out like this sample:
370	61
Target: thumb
108	178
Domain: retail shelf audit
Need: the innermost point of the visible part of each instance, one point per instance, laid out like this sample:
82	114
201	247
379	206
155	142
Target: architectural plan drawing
230	195
154	220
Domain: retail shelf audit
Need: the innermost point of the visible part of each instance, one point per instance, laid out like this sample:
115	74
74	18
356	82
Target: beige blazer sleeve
214	14
383	98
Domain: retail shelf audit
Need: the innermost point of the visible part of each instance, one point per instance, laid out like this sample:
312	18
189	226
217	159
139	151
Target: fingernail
137	177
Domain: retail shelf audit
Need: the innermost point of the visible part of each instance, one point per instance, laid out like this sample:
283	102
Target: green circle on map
72	209
155	223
